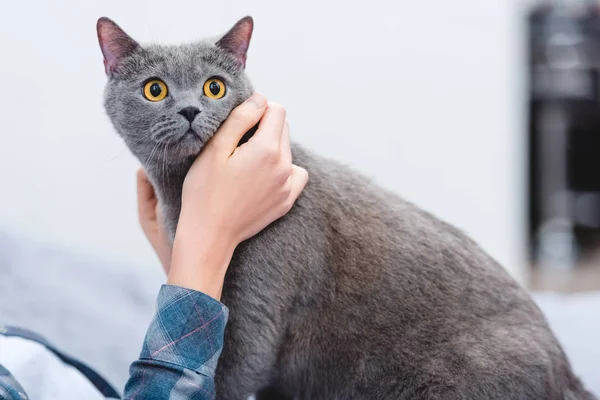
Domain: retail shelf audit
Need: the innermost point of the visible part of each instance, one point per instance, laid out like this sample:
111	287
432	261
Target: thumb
240	121
298	179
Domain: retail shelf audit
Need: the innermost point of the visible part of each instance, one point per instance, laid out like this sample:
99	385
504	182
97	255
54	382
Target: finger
299	178
145	195
144	187
240	121
286	151
271	125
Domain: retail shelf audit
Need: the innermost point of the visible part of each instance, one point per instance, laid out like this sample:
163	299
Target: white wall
423	96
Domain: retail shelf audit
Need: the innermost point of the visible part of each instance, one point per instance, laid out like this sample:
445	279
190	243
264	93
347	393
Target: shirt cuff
187	330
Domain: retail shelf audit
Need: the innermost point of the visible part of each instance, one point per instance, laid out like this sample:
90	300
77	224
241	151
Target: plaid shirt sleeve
182	346
9	387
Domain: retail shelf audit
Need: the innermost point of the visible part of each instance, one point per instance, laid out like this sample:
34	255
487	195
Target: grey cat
356	293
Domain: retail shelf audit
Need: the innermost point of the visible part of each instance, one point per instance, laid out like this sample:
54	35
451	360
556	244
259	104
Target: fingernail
258	100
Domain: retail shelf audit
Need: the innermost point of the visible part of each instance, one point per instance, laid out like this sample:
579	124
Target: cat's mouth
190	143
191	137
190	133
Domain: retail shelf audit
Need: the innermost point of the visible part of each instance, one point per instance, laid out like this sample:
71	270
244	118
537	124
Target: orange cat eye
214	88
155	90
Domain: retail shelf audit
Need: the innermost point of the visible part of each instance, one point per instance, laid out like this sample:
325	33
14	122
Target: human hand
151	220
231	193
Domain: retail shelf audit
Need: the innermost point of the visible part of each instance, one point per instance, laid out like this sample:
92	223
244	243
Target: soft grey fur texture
356	293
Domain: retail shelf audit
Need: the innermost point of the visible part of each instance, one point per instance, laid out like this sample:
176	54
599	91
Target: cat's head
167	101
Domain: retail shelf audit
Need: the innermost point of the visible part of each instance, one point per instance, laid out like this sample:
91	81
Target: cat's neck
167	180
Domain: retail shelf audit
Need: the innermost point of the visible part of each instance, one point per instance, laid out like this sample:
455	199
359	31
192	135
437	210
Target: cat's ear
114	43
237	40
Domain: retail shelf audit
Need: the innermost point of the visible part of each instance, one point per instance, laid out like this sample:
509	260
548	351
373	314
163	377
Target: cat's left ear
114	43
237	40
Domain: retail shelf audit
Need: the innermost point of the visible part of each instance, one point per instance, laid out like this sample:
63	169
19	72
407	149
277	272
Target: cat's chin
189	145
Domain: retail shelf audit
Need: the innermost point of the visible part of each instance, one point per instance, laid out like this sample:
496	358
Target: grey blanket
99	311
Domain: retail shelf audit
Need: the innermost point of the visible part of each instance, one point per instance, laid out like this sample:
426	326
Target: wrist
200	259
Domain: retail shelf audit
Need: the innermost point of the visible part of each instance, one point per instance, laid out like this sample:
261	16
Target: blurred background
483	112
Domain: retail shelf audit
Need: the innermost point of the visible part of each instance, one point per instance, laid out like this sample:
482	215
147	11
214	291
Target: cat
355	293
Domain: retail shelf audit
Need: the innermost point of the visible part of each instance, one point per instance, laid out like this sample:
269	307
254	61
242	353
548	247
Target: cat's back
401	288
380	223
373	235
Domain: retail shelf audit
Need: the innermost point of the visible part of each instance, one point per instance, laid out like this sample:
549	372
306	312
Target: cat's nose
189	113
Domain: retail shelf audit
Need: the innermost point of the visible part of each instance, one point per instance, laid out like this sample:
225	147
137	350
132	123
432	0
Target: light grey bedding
99	311
94	310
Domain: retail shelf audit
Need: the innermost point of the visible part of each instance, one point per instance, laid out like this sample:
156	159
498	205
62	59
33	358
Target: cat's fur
356	293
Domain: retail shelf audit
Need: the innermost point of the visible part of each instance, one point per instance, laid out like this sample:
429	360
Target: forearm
200	258
181	349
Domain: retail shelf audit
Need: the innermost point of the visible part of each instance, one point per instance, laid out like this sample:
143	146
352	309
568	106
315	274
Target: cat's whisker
166	167
116	155
152	152
162	166
156	147
159	126
139	140
163	134
120	153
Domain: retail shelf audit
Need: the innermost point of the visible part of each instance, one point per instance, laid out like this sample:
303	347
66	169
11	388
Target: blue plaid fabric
182	347
179	355
9	387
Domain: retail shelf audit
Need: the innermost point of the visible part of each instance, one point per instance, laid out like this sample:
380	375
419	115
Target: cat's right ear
114	43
